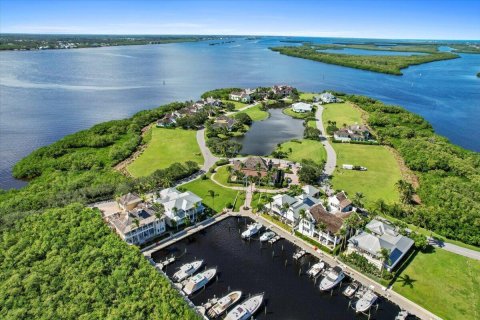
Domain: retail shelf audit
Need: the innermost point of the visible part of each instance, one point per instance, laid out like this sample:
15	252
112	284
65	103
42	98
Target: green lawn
378	182
222	174
304	149
224	195
238	105
307	96
256	114
289	112
342	113
277	222
312	123
166	147
445	283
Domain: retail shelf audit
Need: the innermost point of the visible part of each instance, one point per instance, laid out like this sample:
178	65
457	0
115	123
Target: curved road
208	157
331	155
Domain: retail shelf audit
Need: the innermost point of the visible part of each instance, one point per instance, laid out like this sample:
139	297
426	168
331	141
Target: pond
263	136
254	268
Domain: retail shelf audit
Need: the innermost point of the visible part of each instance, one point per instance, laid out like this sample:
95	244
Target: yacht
223	304
366	301
333	278
297	255
315	270
187	270
199	281
252	229
350	290
246	309
267	236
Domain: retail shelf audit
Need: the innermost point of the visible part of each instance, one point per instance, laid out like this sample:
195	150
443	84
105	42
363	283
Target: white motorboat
297	255
366	301
223	304
246	309
252	229
402	315
315	270
267	236
350	290
187	270
333	278
199	281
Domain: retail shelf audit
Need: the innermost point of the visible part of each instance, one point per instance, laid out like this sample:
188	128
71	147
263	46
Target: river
45	95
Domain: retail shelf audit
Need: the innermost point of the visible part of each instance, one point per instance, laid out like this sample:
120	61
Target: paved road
208	157
455	249
331	155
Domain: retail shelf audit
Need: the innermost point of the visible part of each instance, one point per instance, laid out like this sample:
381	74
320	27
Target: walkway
469	253
331	155
208	158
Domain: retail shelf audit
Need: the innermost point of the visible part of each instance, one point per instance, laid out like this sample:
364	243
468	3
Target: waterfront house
253	166
301	107
169	120
289	207
340	202
322	225
224	122
138	225
327	97
381	235
241	96
353	133
180	206
282	90
128	201
311	191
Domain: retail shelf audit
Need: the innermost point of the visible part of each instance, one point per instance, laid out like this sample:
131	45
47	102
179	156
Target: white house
138	225
289	207
241	96
340	202
180	205
327	97
301	107
382	235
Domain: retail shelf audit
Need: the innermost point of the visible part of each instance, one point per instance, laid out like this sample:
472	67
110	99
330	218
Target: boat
267	236
223	304
366	301
187	270
402	315
333	278
252	229
199	281
165	263
297	255
246	309
316	269
350	290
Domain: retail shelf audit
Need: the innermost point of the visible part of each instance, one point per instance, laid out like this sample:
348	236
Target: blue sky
405	19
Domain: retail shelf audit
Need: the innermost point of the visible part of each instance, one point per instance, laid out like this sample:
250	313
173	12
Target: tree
302	214
358	199
213	195
380	207
136	222
385	256
406	191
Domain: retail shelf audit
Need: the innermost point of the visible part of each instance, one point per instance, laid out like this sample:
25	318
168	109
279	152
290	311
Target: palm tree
381	207
166	182
343	233
285	208
195	207
213	195
302	214
136	222
358	199
385	255
175	212
406	191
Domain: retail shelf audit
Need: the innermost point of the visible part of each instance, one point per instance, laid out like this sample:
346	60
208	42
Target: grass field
378	182
307	96
445	283
166	146
297	115
342	113
224	195
222	174
305	149
312	123
256	114
238	105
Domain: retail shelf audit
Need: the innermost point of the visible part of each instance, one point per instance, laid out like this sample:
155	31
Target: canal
252	268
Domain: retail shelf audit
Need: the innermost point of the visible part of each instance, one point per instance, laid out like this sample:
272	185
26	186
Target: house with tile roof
353	132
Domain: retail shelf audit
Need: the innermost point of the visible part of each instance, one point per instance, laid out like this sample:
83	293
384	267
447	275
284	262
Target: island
391	64
100	201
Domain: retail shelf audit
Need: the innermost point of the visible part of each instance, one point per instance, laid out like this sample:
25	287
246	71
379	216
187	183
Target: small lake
253	268
363	52
263	136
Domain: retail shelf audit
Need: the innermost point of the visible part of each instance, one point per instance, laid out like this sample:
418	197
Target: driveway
454	248
331	155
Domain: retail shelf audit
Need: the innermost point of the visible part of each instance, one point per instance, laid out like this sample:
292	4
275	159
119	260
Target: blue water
45	95
370	52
